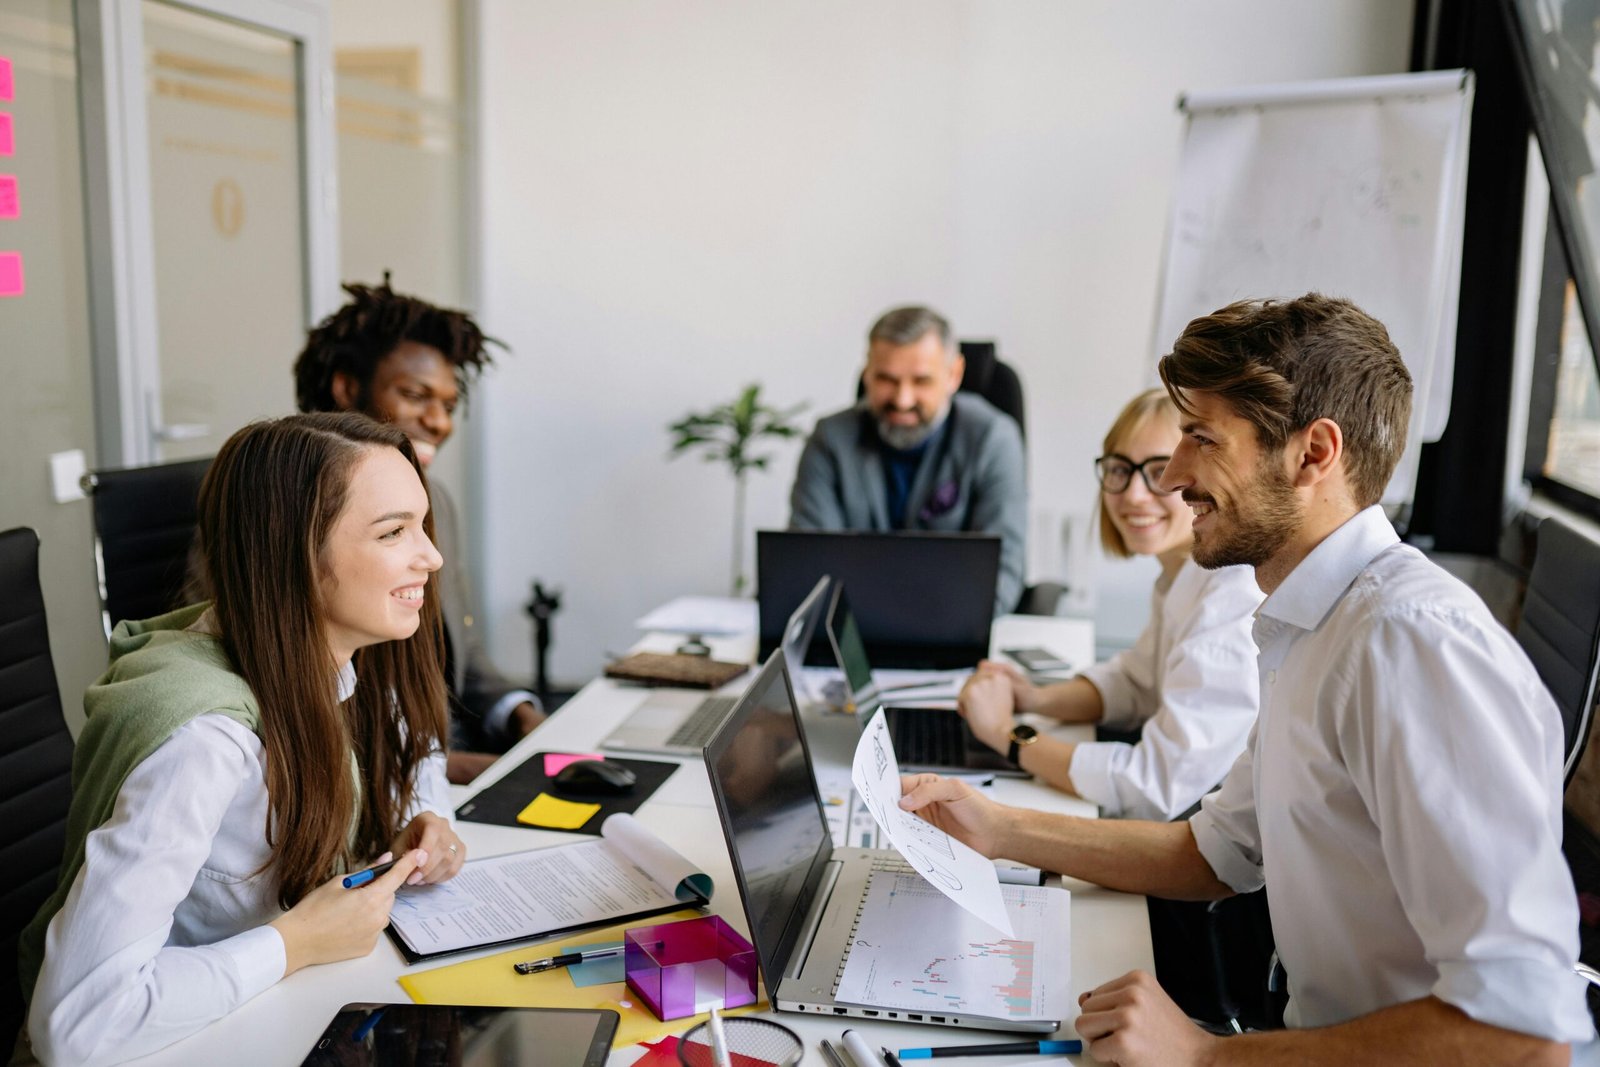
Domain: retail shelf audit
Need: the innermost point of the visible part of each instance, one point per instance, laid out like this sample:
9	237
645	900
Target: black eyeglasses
1116	472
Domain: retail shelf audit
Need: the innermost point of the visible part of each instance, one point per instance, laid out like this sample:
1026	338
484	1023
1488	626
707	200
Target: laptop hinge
819	904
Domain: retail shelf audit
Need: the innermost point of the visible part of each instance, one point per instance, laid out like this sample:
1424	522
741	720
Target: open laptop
678	722
925	739
807	902
926	600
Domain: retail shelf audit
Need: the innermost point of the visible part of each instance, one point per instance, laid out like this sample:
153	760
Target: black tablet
440	1035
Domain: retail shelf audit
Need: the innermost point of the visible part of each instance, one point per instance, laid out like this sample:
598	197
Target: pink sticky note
5	133
5	78
554	761
10	273
10	208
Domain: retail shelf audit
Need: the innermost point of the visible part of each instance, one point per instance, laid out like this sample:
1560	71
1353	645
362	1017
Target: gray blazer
475	684
975	480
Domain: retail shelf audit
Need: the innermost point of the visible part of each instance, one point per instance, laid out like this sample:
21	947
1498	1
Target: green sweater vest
161	676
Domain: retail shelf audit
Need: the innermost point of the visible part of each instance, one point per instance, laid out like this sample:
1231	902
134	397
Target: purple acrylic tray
689	967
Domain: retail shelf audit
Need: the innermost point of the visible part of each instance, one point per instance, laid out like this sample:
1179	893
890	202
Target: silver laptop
925	739
679	722
807	902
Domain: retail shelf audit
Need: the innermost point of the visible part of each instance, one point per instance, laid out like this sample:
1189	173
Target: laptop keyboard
928	739
697	729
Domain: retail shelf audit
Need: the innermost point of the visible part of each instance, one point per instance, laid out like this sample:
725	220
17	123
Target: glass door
217	183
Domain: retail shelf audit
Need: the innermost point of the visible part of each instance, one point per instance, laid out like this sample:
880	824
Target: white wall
682	198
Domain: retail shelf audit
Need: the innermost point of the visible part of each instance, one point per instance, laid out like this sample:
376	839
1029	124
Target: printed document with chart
949	937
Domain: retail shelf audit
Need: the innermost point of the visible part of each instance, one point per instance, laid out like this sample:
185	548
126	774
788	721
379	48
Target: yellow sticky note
553	813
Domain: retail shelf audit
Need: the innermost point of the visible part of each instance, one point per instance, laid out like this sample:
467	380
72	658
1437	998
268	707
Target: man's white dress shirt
165	927
1401	798
1190	680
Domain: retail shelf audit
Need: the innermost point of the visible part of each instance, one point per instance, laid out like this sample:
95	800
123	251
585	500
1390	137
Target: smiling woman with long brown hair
240	755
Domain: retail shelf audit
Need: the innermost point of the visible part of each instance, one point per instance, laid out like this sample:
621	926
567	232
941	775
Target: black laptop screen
771	814
923	600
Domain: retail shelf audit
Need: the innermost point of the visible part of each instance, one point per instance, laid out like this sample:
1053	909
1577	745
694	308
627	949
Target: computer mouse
595	777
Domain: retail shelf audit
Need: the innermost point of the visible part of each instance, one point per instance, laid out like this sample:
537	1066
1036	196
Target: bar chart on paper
917	950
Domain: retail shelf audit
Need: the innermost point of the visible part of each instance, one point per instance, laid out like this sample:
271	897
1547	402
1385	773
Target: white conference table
1110	931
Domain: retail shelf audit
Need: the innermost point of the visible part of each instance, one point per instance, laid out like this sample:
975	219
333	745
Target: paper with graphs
956	870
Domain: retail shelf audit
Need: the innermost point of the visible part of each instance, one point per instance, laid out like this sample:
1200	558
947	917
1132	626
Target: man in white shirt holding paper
1401	793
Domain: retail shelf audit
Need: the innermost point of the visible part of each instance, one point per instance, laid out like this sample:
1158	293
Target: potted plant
727	434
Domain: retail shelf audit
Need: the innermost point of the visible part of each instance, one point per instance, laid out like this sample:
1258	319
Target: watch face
1023	733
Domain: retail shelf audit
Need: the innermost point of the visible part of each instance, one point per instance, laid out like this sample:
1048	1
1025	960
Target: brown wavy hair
339	776
1281	365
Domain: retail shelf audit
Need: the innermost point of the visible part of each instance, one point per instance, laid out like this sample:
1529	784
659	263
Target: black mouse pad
500	803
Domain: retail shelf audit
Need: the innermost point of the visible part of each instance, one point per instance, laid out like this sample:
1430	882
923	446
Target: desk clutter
628	873
495	981
535	794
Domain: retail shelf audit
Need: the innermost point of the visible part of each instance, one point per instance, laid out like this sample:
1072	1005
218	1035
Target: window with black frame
1559	43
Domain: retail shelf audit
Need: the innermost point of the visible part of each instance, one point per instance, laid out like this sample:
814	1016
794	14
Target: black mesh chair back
35	763
144	521
992	379
1560	627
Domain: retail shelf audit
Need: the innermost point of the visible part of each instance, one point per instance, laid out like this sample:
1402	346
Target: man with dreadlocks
404	361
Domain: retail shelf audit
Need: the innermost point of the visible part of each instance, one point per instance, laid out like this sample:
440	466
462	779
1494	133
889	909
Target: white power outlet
66	468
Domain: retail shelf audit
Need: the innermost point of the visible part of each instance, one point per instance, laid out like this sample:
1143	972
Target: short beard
905	438
1272	519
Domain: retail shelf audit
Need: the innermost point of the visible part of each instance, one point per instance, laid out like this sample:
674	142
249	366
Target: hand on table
525	718
462	767
332	923
433	834
1130	1021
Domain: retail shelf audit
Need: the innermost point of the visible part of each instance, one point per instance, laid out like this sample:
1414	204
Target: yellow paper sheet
492	983
553	813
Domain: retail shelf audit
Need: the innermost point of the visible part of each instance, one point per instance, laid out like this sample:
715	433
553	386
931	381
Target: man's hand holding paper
952	866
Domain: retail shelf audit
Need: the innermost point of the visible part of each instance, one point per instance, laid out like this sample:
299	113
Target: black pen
566	959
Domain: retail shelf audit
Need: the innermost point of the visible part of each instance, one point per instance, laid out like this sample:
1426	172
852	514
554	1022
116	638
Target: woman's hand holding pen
434	835
333	923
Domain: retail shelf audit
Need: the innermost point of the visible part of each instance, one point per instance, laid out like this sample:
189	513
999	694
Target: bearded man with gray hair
915	454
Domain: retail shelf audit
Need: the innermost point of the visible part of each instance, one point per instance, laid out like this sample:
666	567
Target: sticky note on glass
5	133
10	273
10	206
553	813
554	761
5	78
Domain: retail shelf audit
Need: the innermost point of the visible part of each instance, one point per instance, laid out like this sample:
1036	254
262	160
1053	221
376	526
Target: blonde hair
1139	412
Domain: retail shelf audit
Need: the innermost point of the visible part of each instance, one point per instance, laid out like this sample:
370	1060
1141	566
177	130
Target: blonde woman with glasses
1188	686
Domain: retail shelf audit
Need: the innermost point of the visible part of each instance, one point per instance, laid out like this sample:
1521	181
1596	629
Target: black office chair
996	381
35	763
144	521
1560	628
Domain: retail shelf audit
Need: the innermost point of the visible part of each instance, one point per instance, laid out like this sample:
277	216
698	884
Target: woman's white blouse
1191	681
165	927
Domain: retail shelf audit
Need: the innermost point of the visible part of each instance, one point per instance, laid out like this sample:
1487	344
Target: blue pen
1041	1048
360	878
